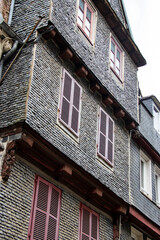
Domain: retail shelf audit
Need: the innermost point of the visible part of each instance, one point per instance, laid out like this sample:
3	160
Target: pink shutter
102	133
76	108
110	140
94	227
66	98
40	213
46	211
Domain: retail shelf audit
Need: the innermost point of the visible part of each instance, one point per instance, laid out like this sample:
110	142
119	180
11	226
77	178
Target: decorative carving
5	43
8	161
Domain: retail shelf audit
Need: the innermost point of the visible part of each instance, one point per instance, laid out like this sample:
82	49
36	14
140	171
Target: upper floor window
135	234
116	59
157	188
105	136
156	116
145	175
45	211
89	224
85	19
70	103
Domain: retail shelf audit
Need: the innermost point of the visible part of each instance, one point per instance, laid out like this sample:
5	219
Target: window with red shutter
70	103
89	224
105	136
44	220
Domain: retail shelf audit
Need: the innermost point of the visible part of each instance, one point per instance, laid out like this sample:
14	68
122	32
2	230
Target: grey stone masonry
138	199
147	128
42	116
15	207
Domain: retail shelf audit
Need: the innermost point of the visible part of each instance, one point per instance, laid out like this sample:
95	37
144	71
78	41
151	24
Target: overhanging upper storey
120	31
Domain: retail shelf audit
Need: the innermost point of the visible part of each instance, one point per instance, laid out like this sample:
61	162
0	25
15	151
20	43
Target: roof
122	33
154	99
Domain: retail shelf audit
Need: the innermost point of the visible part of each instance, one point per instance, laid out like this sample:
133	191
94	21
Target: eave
120	31
30	147
67	53
140	220
143	143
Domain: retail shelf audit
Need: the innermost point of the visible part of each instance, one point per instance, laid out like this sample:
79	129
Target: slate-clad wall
15	206
138	199
42	117
146	123
96	56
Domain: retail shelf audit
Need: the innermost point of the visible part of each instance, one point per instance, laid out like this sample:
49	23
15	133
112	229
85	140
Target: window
45	211
116	59
85	18
70	103
156	116
89	224
145	175
135	234
157	188
105	137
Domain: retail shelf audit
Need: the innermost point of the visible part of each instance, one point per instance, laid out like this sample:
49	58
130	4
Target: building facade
70	130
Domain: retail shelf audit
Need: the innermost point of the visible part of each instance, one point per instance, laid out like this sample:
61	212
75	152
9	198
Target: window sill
83	32
119	78
146	194
105	162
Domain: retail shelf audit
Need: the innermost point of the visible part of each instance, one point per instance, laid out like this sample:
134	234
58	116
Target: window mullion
48	211
84	17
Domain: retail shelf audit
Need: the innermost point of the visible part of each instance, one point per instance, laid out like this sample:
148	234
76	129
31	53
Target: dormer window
156	118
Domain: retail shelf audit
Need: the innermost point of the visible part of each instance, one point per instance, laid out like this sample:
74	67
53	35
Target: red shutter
94	227
110	140
89	224
102	133
45	220
105	139
76	108
66	98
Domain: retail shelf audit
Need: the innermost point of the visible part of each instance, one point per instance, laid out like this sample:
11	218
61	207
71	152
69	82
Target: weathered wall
16	201
138	199
44	101
96	56
146	123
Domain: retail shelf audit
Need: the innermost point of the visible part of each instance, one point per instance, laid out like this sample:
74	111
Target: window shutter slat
46	211
85	224
39	226
94	226
74	123
75	108
65	111
110	140
102	145
76	96
103	123
67	86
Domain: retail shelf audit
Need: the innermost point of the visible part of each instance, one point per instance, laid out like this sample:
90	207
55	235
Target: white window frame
157	187
156	118
135	234
89	5
113	59
145	175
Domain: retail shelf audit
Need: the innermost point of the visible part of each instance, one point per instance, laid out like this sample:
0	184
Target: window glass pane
88	25
112	47
118	55
87	32
81	4
117	64
112	64
80	22
117	71
142	174
80	14
112	56
88	14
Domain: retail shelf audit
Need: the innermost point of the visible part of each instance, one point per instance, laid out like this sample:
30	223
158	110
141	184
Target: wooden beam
97	192
66	54
107	100
119	113
50	34
65	170
130	125
120	210
94	87
81	72
27	139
